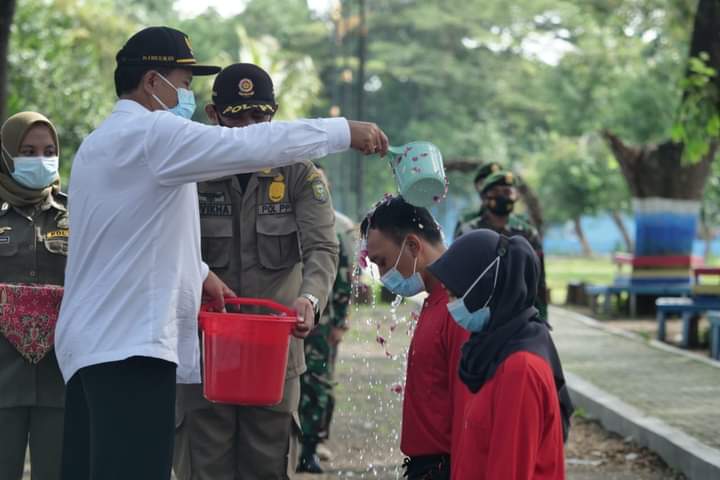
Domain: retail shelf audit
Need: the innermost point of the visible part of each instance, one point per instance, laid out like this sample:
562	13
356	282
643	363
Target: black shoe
310	464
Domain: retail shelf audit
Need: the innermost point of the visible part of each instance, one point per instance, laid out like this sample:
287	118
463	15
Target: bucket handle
255	302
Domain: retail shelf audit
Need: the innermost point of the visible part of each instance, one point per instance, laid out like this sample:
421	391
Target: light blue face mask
477	320
186	101
35	172
394	281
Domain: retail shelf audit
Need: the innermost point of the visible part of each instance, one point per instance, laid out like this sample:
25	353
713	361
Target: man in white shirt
134	278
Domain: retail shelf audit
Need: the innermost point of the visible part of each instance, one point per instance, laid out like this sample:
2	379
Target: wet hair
397	218
128	77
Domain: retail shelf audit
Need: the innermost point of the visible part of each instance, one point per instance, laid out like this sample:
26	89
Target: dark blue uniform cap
241	87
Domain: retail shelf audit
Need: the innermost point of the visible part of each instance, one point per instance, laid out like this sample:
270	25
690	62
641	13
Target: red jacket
512	427
434	395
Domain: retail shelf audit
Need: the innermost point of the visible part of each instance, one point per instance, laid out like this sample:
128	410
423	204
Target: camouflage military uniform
516	221
317	401
516	226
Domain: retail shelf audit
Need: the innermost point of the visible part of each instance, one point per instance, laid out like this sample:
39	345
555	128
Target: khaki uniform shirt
33	249
274	240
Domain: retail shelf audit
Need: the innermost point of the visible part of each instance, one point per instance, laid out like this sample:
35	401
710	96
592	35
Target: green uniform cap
503	178
486	170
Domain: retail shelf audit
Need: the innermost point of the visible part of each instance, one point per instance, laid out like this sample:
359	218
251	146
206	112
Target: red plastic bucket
245	355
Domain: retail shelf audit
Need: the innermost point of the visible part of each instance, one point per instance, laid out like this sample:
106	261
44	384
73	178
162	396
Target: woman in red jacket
515	423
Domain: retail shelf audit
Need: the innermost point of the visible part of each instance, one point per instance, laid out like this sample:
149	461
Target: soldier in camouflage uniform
499	195
516	220
317	401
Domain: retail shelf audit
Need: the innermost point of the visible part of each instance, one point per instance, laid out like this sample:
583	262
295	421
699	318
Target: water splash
371	384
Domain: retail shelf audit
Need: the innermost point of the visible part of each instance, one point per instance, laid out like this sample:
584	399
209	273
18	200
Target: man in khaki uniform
268	234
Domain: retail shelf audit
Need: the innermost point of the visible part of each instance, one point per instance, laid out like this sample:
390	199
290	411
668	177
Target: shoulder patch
320	192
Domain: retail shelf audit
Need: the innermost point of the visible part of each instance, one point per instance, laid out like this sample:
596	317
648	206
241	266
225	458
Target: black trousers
427	467
120	421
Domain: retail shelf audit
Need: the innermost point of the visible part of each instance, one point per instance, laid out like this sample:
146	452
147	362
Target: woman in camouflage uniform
33	249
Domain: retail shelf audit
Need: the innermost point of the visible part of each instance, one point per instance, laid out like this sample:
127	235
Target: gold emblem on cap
247	87
509	178
189	45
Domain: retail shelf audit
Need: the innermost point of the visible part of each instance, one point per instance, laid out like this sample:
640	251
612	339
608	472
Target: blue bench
714	317
689	310
623	285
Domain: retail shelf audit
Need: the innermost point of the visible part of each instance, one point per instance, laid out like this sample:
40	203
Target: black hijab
514	323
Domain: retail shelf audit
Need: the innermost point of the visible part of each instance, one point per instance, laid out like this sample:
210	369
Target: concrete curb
681	451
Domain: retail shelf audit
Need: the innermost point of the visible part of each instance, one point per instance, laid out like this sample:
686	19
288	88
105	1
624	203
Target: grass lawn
559	271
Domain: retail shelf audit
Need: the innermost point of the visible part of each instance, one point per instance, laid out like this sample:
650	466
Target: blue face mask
394	281
477	320
35	172
186	101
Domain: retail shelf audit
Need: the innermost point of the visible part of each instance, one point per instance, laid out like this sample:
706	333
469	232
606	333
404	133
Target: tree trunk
706	34
360	104
586	249
658	170
617	219
7	12
533	205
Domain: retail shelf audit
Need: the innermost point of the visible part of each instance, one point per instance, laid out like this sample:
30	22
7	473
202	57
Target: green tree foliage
58	65
528	83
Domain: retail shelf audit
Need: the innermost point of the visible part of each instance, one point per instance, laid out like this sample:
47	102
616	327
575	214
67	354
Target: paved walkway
664	384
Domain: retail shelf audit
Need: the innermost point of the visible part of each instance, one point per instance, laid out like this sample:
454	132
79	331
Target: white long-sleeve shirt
134	273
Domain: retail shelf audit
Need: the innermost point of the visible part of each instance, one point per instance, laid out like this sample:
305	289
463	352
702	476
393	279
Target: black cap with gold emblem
162	47
241	87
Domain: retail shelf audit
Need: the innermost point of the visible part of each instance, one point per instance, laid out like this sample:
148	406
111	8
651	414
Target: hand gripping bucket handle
253	302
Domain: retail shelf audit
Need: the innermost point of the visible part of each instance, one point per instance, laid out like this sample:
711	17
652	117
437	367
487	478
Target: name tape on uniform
56	234
275	208
215	209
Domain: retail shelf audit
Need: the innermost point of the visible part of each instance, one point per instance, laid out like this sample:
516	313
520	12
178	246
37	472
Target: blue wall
603	236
